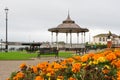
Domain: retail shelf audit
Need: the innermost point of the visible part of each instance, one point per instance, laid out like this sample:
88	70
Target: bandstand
68	26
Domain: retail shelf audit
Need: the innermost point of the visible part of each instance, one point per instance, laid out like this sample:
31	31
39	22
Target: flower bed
92	66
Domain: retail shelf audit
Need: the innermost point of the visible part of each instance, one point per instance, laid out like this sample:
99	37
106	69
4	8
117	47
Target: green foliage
96	46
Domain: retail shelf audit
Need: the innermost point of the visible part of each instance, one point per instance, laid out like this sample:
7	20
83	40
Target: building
102	39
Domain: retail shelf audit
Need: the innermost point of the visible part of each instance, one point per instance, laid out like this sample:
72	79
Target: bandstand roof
67	26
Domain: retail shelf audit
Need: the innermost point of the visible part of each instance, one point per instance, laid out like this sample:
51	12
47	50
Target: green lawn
16	56
26	56
65	54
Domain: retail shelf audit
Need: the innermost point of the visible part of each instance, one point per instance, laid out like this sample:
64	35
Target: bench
45	51
80	50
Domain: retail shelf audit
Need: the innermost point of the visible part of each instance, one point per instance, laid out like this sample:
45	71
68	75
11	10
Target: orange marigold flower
69	60
39	78
50	70
117	53
106	52
77	57
113	62
19	75
43	65
35	69
76	67
118	75
71	78
63	62
23	65
111	56
91	54
105	71
57	66
96	56
84	58
117	64
118	78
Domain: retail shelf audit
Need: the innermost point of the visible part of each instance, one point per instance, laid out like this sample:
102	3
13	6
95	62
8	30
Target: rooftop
105	35
67	26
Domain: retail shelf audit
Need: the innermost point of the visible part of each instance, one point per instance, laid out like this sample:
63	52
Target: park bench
80	50
48	51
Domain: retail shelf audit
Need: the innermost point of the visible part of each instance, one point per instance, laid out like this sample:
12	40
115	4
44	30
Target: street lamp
6	45
1	44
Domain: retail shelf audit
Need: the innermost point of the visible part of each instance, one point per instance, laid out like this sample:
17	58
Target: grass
16	56
26	56
65	54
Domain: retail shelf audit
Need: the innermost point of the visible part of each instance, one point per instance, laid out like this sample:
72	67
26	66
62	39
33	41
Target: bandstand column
70	39
51	37
84	37
77	38
66	38
57	39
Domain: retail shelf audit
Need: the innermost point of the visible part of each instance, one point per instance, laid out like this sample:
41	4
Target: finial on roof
68	17
68	20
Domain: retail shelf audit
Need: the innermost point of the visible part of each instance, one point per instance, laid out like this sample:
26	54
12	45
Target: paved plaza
8	66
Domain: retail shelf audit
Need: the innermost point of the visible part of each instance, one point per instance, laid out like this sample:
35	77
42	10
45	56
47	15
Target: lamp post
6	45
1	45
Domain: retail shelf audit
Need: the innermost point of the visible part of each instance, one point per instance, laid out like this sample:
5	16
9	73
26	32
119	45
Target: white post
51	38
66	38
77	38
57	39
82	37
70	39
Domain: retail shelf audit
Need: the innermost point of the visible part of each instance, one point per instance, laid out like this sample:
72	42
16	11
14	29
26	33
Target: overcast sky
29	20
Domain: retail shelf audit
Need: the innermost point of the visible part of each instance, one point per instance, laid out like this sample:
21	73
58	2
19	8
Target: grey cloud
35	16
